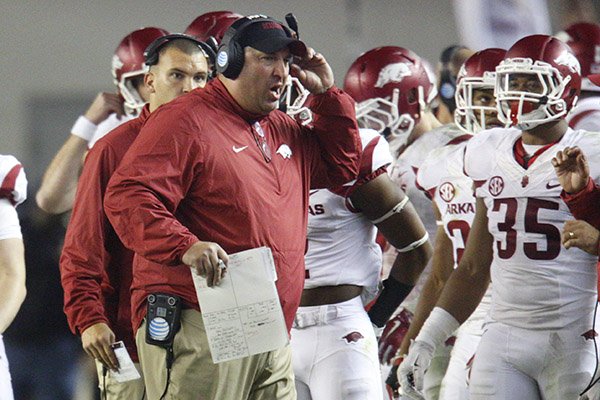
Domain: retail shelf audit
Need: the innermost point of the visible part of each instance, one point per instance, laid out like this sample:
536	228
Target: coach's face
175	74
262	79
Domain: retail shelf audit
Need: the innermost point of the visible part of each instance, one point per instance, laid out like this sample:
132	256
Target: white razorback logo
568	59
392	73
284	151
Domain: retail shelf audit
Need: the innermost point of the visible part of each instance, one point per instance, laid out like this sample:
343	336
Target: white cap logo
392	73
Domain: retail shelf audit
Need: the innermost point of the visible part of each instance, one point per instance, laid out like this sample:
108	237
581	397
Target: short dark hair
185	45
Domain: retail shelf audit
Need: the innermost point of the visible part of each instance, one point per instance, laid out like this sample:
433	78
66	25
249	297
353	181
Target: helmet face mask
132	100
540	102
470	116
293	98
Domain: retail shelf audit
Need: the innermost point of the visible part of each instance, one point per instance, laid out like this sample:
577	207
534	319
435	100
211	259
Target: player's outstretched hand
572	169
412	371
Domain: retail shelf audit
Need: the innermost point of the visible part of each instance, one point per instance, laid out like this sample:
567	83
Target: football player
394	91
333	341
537	342
443	179
107	111
13	191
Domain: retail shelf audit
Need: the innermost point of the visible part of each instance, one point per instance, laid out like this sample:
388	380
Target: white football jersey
586	115
13	191
108	125
442	177
537	283
341	241
404	170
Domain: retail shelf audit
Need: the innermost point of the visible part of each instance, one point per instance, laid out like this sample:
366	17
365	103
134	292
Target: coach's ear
149	79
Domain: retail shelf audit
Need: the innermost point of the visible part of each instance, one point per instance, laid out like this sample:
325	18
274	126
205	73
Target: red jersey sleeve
584	204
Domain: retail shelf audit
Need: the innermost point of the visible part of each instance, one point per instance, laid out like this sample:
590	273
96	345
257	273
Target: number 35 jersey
537	283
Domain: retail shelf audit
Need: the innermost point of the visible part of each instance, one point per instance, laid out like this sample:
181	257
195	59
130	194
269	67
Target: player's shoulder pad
13	182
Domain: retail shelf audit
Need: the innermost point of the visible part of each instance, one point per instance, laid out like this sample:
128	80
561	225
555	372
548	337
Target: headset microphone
292	22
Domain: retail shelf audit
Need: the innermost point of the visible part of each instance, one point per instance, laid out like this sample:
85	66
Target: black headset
152	51
230	57
447	86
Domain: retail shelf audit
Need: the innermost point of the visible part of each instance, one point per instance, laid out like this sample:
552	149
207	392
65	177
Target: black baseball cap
269	37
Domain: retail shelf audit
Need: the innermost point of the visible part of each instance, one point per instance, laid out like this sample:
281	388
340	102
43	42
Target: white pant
454	385
6	392
334	353
594	392
522	364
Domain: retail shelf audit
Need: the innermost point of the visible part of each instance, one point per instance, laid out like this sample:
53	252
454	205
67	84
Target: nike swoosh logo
238	149
549	186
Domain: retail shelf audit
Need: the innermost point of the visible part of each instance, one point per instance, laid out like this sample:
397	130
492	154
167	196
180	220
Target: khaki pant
266	376
110	389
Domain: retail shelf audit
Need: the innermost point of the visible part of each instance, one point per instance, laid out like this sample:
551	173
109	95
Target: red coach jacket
196	172
95	267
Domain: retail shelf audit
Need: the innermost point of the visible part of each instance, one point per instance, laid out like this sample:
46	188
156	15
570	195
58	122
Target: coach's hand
208	259
97	340
313	71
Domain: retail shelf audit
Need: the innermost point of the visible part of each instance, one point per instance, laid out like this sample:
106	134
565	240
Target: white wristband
84	128
438	327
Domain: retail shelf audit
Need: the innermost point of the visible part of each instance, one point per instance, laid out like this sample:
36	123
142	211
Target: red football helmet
584	39
552	82
213	23
477	73
128	62
392	87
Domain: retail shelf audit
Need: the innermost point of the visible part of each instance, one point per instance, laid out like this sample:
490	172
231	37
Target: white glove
412	371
